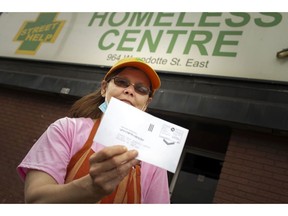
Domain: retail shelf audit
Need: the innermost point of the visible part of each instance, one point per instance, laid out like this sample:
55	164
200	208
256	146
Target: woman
66	166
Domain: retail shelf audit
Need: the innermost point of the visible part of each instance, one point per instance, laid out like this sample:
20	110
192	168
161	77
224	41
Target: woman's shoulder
67	121
72	125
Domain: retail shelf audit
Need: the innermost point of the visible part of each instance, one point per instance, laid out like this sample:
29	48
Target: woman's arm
40	187
107	169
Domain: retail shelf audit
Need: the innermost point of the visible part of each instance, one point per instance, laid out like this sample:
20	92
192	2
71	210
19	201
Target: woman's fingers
118	172
108	152
109	158
110	165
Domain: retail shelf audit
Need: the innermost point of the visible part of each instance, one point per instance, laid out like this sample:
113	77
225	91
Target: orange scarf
129	189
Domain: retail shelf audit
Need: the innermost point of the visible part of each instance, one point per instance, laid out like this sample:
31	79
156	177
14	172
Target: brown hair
87	106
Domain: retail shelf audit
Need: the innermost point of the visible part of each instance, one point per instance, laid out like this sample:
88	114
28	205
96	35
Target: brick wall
24	116
255	170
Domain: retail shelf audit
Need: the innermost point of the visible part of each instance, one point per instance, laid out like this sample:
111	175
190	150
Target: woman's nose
129	90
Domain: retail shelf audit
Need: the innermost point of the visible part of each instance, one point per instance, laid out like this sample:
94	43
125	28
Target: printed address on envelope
157	141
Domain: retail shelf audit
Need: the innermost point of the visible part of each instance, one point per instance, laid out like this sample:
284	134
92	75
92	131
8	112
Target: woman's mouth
127	101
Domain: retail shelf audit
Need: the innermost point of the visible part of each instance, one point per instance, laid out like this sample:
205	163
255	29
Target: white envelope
157	141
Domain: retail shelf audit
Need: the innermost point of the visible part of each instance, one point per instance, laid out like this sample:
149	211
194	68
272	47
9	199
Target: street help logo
32	34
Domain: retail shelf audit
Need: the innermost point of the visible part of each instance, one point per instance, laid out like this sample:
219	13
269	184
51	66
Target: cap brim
150	72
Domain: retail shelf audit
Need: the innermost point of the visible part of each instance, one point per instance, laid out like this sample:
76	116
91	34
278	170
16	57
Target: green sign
44	29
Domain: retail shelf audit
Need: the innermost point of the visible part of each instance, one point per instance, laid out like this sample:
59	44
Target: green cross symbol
44	29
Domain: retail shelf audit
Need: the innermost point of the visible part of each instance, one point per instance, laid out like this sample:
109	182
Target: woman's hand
109	166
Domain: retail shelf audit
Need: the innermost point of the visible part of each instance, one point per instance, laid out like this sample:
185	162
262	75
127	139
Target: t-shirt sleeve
51	153
155	185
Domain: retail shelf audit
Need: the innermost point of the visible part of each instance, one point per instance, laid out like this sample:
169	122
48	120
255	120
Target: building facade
222	162
221	78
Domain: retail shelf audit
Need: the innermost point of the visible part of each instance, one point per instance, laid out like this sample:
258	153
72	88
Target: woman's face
128	94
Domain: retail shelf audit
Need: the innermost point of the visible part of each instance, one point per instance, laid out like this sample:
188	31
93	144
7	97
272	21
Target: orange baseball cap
143	66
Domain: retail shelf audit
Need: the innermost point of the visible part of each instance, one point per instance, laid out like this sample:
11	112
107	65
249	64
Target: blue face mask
103	106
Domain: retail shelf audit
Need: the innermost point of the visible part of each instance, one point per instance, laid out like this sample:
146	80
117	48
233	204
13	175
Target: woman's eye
124	83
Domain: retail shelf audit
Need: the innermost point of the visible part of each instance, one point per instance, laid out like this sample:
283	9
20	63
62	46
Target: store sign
234	45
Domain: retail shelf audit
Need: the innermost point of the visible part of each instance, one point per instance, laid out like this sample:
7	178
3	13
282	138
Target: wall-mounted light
65	90
282	54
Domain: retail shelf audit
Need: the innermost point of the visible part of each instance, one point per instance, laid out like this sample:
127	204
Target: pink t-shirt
63	138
